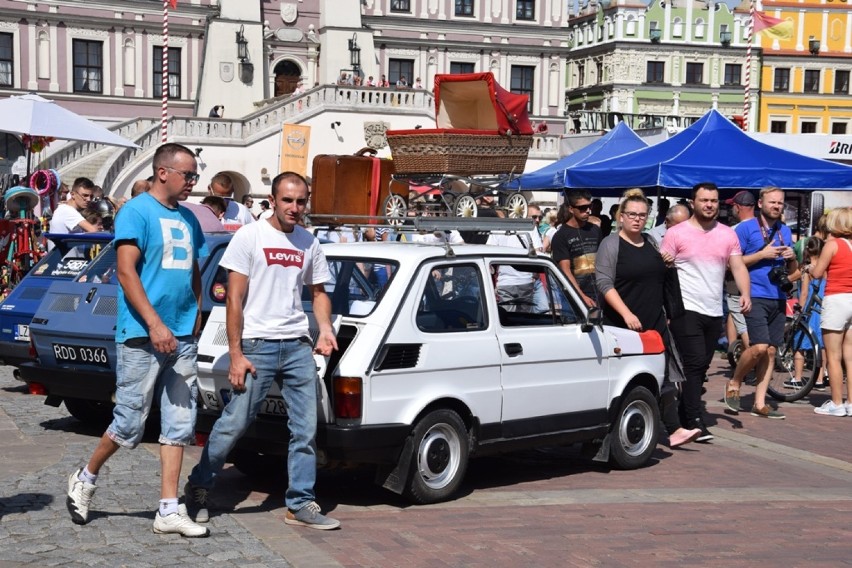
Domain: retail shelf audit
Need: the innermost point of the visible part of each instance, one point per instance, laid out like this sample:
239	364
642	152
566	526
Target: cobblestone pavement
764	492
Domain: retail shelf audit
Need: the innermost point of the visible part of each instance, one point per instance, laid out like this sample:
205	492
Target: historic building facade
658	65
805	79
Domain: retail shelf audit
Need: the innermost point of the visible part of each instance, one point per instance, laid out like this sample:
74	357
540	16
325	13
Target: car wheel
439	461
636	430
94	412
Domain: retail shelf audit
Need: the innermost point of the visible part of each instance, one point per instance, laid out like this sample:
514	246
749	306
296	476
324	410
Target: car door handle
513	349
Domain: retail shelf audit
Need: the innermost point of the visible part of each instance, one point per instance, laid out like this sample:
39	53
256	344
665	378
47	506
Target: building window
811	81
782	80
778	126
464	7
656	71
599	72
808	127
401	6
457	68
174	72
399	68
581	74
677	27
841	82
525	10
6	60
694	73
699	28
88	66
523	79
733	74
838	128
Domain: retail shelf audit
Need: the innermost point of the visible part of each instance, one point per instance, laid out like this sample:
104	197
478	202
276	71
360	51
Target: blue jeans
142	373
290	363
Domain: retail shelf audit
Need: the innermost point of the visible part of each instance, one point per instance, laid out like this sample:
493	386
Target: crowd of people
674	274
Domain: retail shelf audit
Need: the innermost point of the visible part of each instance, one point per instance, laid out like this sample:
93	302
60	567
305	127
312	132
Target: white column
140	49
32	83
504	13
119	63
800	30
54	60
546	9
824	37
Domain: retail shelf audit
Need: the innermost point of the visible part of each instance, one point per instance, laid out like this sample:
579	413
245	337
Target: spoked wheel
395	207
801	350
516	206
465	206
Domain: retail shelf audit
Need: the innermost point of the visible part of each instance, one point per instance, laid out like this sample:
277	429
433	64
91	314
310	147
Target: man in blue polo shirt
767	247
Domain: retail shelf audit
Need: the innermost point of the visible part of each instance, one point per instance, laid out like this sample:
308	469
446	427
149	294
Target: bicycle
798	338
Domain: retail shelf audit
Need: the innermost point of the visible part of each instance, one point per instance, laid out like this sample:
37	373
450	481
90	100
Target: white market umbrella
37	116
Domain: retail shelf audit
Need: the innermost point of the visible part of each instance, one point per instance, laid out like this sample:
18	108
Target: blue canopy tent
715	150
617	142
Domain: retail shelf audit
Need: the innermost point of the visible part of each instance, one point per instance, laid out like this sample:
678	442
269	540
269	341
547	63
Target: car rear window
356	286
67	259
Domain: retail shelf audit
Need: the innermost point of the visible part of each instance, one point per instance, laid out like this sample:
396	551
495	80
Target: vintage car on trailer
432	369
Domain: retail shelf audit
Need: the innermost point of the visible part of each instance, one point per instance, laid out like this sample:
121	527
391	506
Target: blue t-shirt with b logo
171	241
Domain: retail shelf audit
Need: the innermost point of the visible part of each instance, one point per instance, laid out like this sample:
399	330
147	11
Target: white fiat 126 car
432	369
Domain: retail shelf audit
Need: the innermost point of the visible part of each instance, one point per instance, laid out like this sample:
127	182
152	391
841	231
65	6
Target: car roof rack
424	224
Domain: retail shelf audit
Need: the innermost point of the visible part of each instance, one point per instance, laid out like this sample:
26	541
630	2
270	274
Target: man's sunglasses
188	177
585	207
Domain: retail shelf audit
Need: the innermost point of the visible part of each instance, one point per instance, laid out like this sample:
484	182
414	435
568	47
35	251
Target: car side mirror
593	319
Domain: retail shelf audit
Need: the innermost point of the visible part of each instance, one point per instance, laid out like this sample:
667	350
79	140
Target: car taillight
347	397
37	388
32	351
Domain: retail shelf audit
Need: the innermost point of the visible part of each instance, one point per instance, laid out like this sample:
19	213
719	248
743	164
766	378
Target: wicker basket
464	153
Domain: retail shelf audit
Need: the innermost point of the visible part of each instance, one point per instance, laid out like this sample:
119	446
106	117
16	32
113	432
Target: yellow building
804	82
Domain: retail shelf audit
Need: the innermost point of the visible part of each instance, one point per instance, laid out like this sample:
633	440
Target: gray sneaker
196	501
80	495
179	523
310	516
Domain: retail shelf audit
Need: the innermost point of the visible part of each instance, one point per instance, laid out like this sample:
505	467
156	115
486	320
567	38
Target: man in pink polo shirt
702	248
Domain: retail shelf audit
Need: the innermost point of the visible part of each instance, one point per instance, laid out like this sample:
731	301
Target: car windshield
67	259
356	286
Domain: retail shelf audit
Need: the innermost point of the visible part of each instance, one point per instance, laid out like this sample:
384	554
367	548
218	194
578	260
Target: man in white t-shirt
269	341
702	249
68	217
237	214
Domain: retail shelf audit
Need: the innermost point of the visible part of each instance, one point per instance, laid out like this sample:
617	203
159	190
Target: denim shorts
144	375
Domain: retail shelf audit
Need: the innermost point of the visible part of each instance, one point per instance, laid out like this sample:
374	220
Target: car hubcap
438	456
634	434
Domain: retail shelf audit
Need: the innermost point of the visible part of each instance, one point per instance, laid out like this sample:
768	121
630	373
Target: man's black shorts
765	321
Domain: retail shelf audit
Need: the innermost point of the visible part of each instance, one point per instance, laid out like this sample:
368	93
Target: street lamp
813	46
354	53
246	66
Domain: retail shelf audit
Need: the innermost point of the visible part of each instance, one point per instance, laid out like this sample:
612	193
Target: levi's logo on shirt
284	257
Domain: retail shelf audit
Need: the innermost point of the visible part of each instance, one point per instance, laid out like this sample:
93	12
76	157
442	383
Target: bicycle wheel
798	339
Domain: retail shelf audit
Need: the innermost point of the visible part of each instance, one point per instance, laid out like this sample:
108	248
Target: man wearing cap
742	208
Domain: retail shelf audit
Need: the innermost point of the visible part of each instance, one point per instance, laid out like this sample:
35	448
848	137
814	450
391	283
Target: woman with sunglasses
630	274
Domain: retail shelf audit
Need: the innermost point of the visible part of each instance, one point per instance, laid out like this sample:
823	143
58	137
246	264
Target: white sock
87	476
168	506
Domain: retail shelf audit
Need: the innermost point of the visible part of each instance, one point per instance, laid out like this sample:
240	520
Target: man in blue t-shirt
158	243
767	247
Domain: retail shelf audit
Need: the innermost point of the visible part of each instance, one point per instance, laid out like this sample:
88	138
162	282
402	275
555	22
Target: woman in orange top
835	262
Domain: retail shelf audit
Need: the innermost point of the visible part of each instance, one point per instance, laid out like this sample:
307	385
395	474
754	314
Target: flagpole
747	89
164	124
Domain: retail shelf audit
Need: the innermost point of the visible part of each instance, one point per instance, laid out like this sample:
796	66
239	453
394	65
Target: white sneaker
849	408
80	495
828	408
179	523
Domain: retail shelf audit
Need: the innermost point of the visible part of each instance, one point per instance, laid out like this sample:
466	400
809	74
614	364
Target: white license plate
22	332
80	354
270	406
